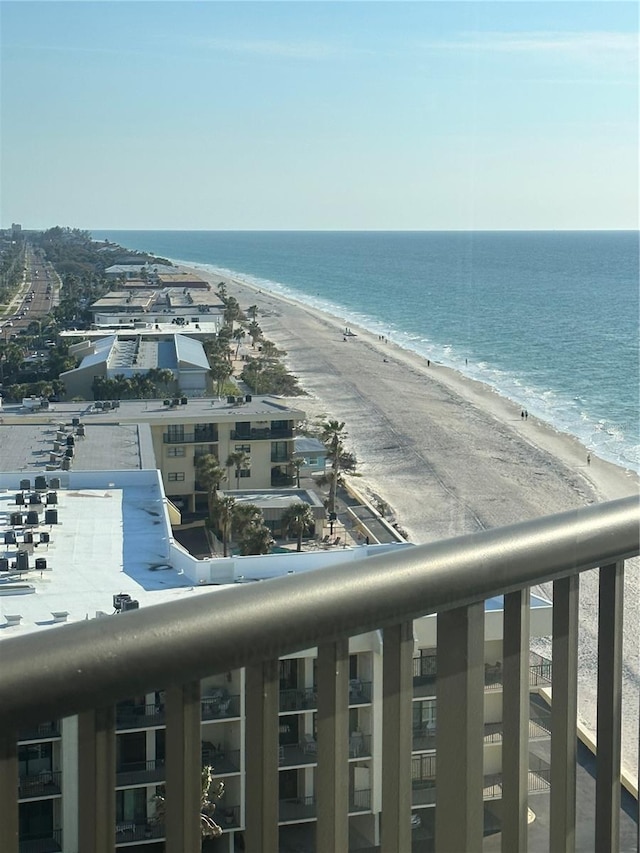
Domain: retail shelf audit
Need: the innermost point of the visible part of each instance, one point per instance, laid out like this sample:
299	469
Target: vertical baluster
610	619
564	710
8	794
397	688
261	763
460	730
183	769
515	726
332	776
97	780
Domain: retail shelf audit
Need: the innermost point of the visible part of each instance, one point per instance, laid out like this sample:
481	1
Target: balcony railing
44	731
257	434
227	817
47	842
128	832
220	707
45	783
190	437
298	699
130	774
139	716
84	668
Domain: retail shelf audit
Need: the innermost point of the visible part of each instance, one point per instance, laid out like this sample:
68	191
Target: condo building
86	545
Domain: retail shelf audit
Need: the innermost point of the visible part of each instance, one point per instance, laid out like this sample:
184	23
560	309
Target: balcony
49	842
227	817
222	759
139	716
259	434
199	436
298	699
220	705
44	731
304	808
129	832
133	773
359	692
91	665
38	786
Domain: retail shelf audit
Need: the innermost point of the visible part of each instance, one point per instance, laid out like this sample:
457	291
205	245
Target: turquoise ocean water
549	319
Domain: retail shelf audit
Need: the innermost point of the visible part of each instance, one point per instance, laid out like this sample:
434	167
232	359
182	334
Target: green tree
296	519
257	539
210	474
219	370
250	531
232	312
223	513
332	434
255	332
238	335
239	460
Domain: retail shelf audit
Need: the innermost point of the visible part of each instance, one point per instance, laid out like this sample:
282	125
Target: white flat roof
112	535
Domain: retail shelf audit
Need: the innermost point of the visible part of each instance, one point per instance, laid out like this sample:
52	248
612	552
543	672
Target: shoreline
609	480
451	456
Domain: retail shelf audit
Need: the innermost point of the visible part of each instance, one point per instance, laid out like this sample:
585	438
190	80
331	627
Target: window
245	472
175	476
204	450
243	448
175	432
175	451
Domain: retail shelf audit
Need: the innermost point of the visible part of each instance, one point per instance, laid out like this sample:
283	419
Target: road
38	294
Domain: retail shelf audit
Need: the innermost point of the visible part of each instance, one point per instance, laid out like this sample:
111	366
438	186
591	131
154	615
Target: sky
307	115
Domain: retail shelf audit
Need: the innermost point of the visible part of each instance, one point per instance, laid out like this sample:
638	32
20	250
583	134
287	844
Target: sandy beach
451	456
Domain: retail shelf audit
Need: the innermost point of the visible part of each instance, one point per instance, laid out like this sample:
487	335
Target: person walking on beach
588	459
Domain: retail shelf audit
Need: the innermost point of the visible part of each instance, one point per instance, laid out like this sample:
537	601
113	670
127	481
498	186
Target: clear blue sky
319	115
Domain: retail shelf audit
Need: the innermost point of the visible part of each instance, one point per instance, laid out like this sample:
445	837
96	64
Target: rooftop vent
59	615
13	618
119	600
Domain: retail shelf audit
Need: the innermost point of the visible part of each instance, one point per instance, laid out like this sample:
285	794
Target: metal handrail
98	662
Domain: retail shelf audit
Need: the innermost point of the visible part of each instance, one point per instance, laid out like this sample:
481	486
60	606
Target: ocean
548	319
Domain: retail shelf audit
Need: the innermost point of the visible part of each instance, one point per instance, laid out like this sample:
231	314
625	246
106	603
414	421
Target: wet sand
451	456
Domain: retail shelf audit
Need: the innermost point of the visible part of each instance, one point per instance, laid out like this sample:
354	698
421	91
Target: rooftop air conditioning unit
119	600
131	604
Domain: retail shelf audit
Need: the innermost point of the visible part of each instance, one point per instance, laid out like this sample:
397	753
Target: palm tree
332	435
256	540
296	518
252	311
240	461
220	371
244	516
210	474
238	335
255	332
297	464
250	531
223	512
